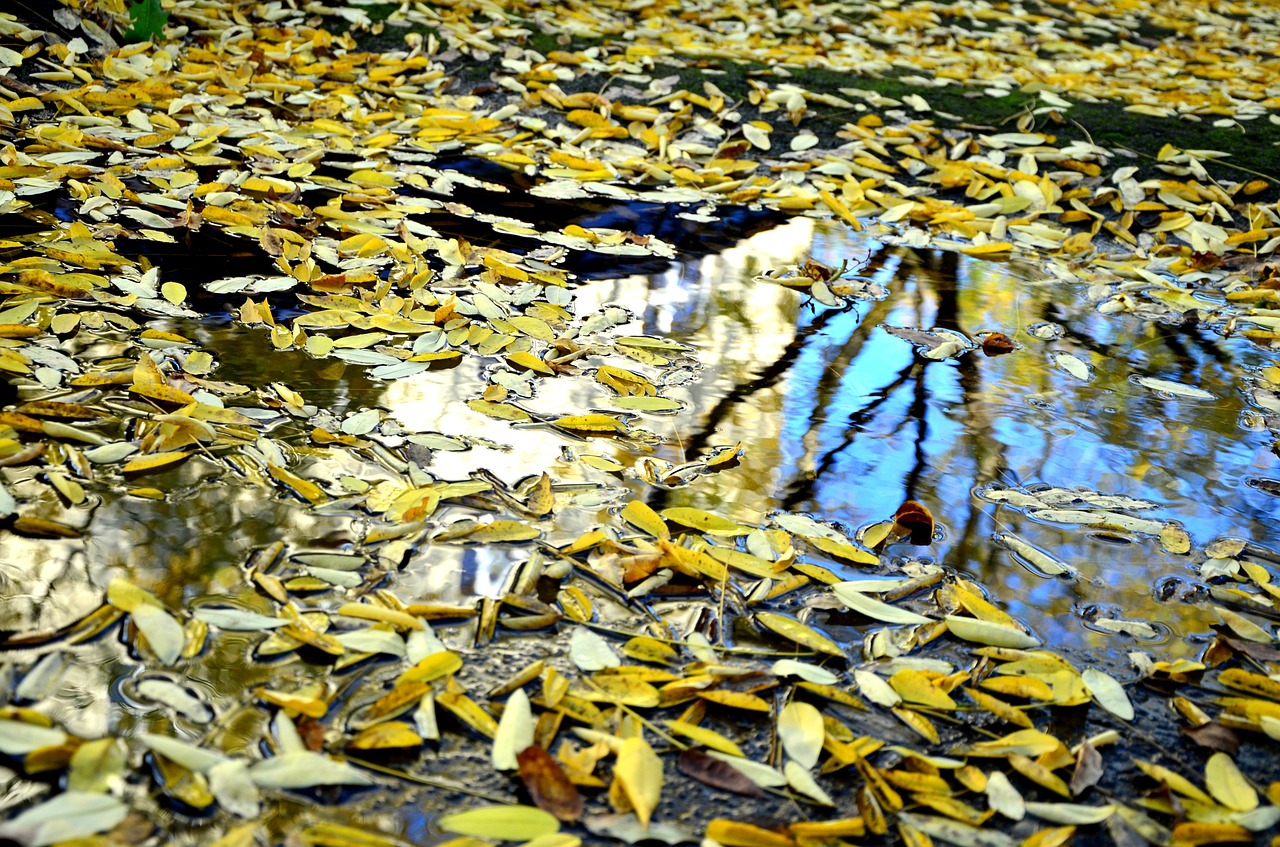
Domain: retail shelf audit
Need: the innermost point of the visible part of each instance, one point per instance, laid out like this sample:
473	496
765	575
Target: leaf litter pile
656	675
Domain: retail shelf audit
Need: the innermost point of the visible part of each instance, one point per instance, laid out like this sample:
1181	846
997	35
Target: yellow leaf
736	700
1227	785
735	834
506	823
478	533
386	736
915	686
312	707
431	667
305	489
793	630
706	737
642	517
152	462
590	423
918	723
745	562
844	551
1028	742
620	689
645	649
525	360
1027	687
469	712
993	248
1039	774
1000	708
502	411
639	773
705	522
162	392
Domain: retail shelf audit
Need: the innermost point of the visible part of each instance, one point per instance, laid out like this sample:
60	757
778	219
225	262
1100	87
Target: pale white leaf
801	730
875	609
190	756
590	652
1004	798
68	816
18	738
1175	388
515	731
162	630
1108	692
805	671
234	790
876	690
305	769
802	782
1070	813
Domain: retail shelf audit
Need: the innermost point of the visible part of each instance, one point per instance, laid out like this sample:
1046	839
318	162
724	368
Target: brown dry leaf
698	765
547	784
1089	769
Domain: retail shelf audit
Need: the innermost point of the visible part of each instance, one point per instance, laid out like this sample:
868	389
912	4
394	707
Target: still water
844	421
838	419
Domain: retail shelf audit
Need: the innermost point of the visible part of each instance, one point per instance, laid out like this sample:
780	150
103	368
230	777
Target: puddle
839	419
844	421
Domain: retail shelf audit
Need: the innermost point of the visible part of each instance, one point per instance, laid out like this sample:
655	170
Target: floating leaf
505	823
304	769
801	731
152	462
1175	388
876	610
590	423
1108	692
793	630
392	735
1227	785
988	632
1071	813
638	514
548	785
590	652
163	632
234	789
705	522
639	773
69	816
515	731
18	738
876	689
801	782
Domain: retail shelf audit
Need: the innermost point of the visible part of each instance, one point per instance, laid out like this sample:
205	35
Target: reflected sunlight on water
845	422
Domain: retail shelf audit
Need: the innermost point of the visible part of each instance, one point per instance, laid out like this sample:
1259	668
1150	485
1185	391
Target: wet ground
839	418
